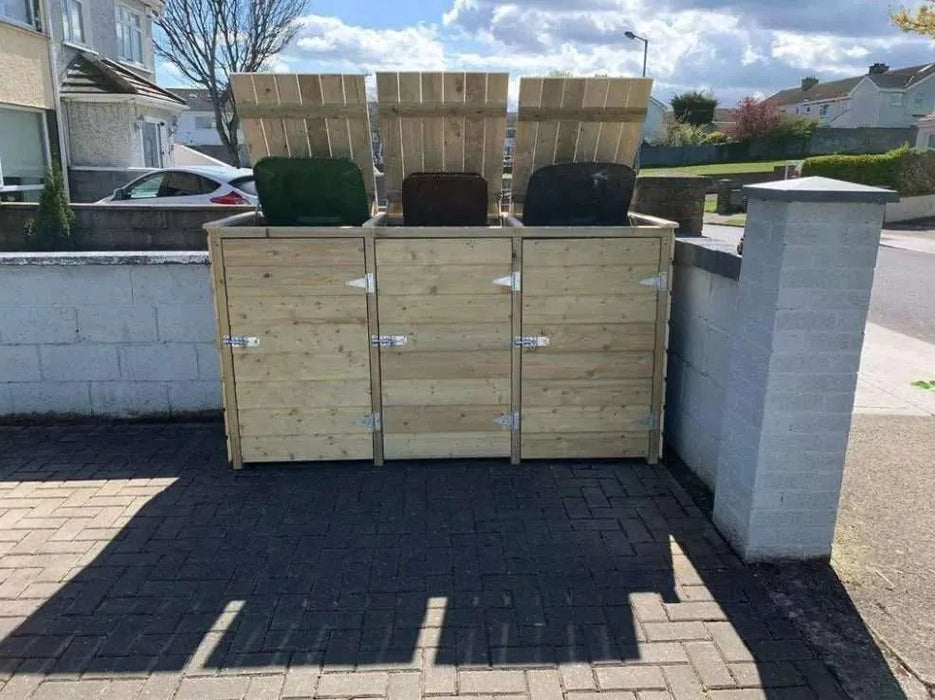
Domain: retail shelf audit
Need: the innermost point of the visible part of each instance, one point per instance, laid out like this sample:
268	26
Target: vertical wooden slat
567	139
617	96
355	93
631	133
663	305
373	326
454	126
388	94
410	91
287	86
433	131
552	89
244	94
516	356
497	89
332	92
475	93
266	94
595	95
310	89
524	152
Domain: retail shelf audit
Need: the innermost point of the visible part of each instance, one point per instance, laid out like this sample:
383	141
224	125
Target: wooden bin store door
303	393
589	325
444	322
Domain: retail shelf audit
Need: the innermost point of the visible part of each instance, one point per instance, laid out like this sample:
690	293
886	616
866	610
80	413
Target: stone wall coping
820	189
716	256
108	257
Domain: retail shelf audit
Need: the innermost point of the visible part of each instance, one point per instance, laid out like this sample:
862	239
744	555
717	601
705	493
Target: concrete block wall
107	334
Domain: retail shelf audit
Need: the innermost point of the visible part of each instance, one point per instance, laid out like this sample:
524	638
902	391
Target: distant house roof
835	89
196	98
88	74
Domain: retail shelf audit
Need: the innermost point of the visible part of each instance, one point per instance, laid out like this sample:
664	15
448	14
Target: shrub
716	137
51	228
909	172
791	129
754	119
681	134
694	107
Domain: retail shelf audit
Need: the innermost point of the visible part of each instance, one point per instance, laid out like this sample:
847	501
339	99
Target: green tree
918	21
52	227
694	107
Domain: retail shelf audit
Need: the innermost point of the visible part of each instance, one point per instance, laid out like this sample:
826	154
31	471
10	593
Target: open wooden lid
306	115
442	122
576	120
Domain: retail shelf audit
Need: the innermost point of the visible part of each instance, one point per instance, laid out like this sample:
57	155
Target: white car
197	184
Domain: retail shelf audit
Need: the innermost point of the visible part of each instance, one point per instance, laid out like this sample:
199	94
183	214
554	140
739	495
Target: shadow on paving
467	563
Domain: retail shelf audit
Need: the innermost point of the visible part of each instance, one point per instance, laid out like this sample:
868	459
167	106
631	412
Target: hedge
907	171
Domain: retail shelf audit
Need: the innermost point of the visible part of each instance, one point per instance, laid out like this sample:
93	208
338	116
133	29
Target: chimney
878	69
809	83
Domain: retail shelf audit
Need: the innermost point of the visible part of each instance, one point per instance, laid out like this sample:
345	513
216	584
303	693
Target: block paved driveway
135	564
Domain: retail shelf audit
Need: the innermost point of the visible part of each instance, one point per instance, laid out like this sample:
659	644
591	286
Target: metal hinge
389	341
510	420
514	281
368	283
371	420
240	341
531	341
659	281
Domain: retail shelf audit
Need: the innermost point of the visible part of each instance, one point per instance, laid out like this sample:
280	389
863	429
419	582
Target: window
245	184
823	110
23	156
931	141
181	184
73	19
129	35
152	145
145	188
204	122
896	100
17	10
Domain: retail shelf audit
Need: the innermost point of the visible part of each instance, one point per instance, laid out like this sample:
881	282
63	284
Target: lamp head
629	35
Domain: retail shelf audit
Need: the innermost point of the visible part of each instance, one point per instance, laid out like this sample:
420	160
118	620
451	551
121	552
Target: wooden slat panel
583	445
388	93
494	134
631	308
332	92
303	448
445	445
279	281
328	251
244	94
631	132
311	394
464	251
410	90
452	336
358	129
228	385
433	130
460	308
530	93
571	252
310	89
593	279
444	279
552	89
265	86
584	419
475	92
264	422
453	130
584	365
455	418
596	337
300	309
479	364
300	366
279	336
588	392
446	392
617	96
287	86
595	95
567	139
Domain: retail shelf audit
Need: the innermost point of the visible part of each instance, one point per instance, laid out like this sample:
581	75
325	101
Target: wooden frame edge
373	328
663	305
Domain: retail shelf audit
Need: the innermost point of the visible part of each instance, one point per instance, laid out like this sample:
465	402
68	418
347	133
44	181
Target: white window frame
67	29
930	141
823	110
46	149
128	27
211	123
30	22
161	138
897	99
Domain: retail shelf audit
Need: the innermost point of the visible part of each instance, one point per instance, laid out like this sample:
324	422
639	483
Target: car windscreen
245	184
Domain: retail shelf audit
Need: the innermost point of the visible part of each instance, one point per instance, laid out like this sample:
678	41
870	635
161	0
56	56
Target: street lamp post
631	35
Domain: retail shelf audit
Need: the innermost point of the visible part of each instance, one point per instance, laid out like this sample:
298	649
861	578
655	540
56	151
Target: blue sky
732	47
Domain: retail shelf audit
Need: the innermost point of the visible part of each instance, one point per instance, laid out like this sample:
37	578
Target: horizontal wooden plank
337	420
294	394
455	251
443	279
446	392
587	392
480	364
294	281
298	309
413	110
630	308
451	336
445	445
444	308
584	445
301	111
321	252
587	365
598	115
443	419
296	336
584	419
251	364
593	251
591	279
593	337
302	448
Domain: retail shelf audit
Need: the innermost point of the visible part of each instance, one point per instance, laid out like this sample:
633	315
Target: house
655	119
86	68
880	98
197	126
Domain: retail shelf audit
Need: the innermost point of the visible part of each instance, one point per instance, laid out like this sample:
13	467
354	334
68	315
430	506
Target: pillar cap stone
820	189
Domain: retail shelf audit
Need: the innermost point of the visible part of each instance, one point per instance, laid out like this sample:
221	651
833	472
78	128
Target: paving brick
352	684
730	644
160	686
709	664
70	690
660	653
403	686
593	695
265	687
674	631
439	680
694	611
544	685
683	682
231	688
300	681
577	677
491	682
648	607
629	677
767	675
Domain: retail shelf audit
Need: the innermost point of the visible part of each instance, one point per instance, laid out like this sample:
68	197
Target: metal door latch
659	282
389	341
510	420
531	341
240	341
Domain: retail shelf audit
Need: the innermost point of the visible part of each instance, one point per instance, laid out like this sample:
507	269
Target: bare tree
207	40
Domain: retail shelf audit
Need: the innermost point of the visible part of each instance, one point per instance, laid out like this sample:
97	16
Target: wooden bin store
392	342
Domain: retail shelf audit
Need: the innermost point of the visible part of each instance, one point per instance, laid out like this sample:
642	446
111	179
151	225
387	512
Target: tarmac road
903	296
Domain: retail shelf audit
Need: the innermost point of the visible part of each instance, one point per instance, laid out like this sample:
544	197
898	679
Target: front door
152	145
